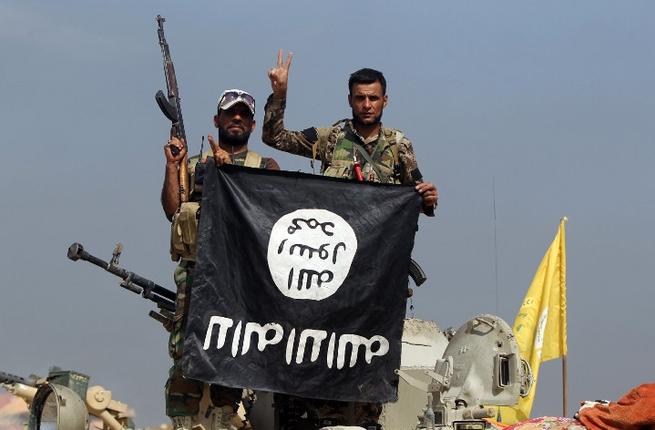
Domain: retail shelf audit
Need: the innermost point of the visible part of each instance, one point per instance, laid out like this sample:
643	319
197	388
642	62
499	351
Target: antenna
493	193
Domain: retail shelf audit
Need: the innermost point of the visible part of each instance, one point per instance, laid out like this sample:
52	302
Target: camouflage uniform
183	395
391	152
336	147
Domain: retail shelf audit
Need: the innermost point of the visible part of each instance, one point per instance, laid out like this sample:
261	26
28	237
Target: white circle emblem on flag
310	252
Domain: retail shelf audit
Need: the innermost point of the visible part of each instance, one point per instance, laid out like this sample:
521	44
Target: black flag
300	284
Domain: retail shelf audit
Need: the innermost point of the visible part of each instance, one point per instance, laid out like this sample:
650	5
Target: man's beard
357	121
228	139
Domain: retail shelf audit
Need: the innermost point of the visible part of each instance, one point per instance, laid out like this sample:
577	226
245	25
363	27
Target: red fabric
633	411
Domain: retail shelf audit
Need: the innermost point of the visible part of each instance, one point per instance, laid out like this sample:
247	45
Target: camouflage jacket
319	142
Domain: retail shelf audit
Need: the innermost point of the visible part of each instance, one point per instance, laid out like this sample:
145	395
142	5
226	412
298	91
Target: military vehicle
479	367
447	379
63	401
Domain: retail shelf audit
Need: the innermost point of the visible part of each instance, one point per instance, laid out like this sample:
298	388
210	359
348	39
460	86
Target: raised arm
273	132
170	193
279	75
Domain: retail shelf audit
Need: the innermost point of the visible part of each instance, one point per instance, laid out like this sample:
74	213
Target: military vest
380	166
184	227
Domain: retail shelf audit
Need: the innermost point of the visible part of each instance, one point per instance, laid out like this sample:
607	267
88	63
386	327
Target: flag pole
565	367
565	386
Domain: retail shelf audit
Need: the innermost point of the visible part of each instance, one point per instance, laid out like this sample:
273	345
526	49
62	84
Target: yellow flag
540	325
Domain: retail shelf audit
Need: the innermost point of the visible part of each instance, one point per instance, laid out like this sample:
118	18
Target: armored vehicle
447	379
64	401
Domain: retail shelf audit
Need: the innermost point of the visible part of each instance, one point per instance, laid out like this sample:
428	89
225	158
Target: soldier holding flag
357	148
235	121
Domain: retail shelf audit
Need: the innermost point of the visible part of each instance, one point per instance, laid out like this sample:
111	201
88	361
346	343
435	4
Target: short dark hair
367	76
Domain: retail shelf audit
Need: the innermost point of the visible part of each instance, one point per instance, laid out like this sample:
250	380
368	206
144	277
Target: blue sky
550	101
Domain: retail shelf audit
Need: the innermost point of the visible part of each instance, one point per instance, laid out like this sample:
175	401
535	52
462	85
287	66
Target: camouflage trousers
296	413
183	395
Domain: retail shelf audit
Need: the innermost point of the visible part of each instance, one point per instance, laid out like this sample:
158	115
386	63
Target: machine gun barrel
164	298
8	378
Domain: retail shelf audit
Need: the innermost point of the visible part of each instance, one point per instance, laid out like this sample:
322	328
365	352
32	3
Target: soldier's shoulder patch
311	134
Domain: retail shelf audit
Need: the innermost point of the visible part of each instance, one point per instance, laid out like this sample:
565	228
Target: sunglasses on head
230	97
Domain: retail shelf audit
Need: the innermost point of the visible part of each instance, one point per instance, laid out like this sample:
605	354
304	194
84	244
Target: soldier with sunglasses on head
235	120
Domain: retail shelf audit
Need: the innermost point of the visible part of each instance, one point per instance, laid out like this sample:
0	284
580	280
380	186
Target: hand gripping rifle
171	107
164	298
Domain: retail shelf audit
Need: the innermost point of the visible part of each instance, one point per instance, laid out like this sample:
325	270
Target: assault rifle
164	298
171	107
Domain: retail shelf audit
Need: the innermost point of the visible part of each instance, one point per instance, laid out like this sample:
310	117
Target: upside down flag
300	284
